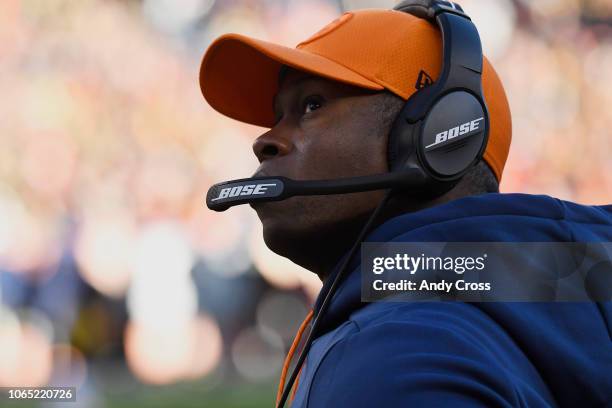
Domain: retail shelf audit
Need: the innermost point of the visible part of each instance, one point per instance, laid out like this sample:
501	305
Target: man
330	104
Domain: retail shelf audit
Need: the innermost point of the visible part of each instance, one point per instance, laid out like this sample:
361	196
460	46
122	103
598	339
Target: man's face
324	130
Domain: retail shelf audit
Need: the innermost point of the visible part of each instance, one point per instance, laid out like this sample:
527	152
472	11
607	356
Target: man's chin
265	211
281	240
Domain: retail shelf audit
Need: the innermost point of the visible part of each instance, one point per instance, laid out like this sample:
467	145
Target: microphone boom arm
224	195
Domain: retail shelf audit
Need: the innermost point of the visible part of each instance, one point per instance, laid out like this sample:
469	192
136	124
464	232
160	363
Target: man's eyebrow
282	75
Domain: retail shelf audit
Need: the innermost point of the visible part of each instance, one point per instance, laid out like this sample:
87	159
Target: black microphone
224	195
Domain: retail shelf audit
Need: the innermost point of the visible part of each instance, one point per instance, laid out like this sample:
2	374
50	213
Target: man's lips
264	173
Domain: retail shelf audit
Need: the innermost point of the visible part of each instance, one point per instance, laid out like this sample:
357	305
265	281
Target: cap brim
239	76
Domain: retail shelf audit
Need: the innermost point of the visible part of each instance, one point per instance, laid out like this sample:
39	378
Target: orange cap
373	49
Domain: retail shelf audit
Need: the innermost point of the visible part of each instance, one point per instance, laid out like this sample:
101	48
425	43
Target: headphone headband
429	9
443	128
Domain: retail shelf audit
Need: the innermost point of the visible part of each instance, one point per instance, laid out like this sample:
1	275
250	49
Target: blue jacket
452	354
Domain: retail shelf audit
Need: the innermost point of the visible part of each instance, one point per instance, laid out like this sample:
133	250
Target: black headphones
443	128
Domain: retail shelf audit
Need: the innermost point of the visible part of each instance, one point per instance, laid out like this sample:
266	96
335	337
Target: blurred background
116	279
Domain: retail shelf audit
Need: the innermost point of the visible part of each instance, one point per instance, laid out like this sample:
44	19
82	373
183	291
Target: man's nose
271	145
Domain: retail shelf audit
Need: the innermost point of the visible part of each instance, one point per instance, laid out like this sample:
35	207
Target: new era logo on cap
423	81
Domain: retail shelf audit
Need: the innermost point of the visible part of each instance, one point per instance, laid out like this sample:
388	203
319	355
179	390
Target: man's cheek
328	157
315	161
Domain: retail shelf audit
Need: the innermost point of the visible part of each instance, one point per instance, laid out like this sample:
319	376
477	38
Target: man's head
329	117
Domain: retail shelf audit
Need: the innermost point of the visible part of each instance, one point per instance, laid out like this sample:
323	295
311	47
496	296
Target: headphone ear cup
450	140
454	135
443	128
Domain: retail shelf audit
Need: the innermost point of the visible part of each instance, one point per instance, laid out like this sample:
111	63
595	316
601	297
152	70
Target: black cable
330	294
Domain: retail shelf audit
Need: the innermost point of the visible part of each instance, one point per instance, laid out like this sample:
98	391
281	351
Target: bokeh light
160	356
69	366
162	293
104	251
258	354
25	352
282	314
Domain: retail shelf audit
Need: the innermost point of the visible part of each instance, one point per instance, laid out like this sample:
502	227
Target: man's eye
311	104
